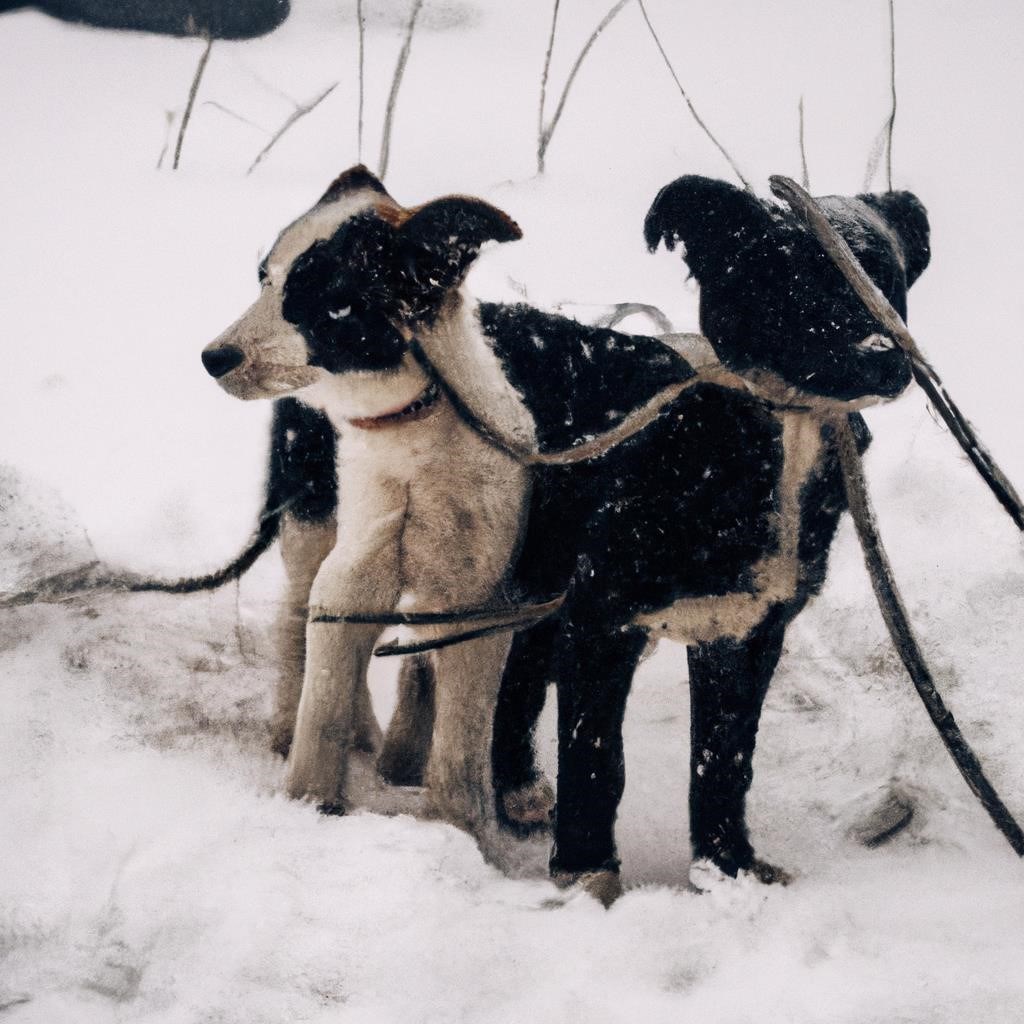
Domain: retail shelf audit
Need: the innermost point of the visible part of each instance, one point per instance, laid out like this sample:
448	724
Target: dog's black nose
219	361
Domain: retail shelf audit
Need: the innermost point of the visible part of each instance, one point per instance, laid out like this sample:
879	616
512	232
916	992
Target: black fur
683	509
771	298
593	376
302	476
345	293
688	506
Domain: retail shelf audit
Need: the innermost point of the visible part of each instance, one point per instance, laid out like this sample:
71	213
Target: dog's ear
442	238
711	218
355	179
906	215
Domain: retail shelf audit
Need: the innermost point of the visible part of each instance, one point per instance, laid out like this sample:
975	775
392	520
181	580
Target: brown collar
415	410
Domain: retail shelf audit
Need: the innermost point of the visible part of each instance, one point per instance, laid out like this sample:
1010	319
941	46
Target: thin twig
234	114
805	179
168	125
693	110
549	130
298	113
875	156
898	623
196	79
396	82
892	89
544	88
362	78
881	309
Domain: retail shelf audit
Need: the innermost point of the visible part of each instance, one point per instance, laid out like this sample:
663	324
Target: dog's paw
528	808
708	876
605	886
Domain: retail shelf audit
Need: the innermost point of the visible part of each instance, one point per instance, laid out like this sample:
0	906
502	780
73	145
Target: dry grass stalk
547	131
396	83
693	110
196	79
297	114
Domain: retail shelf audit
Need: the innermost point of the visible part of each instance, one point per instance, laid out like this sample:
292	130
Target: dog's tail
265	535
300	478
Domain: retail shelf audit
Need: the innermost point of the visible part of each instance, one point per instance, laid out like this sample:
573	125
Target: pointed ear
355	179
711	218
906	215
441	239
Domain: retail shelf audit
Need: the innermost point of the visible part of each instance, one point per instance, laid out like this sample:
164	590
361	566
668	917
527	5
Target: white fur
462	353
431	514
316	225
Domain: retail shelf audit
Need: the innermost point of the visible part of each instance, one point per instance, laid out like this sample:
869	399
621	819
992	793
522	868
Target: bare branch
693	110
805	179
396	82
897	622
234	114
196	79
362	77
544	87
892	89
295	115
549	130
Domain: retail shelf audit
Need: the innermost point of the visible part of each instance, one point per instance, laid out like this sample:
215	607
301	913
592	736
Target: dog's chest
451	503
775	576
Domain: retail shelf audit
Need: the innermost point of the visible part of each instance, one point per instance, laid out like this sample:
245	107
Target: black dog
714	524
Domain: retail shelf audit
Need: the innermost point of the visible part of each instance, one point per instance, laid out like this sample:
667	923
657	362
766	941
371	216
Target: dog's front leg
304	546
459	770
337	654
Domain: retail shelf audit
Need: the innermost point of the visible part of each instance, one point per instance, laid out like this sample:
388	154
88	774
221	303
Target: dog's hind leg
403	756
304	546
332	707
728	683
459	770
524	798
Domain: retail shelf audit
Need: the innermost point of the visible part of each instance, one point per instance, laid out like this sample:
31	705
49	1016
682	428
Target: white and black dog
711	526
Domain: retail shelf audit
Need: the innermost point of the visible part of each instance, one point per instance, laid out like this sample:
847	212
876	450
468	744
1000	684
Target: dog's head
771	298
345	287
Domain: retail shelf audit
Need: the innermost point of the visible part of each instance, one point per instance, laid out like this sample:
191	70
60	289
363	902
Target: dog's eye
339	314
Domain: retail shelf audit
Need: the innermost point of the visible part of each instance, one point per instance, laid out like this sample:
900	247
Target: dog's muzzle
222	360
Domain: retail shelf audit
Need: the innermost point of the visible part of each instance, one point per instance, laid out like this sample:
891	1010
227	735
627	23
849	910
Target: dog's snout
222	359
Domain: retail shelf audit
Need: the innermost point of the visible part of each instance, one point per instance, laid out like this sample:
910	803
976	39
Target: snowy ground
152	869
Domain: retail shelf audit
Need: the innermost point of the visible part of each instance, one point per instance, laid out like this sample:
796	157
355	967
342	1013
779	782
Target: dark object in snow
214	19
772	300
884	820
712	525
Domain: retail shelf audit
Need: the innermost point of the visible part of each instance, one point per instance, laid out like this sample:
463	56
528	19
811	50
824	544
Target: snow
152	869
